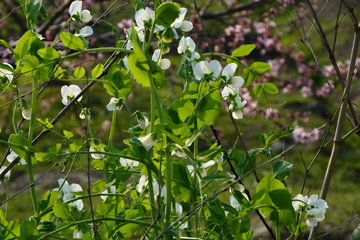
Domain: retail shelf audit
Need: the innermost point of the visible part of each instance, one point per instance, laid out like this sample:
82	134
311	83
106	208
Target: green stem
131	119
152	120
152	30
151	192
9	231
30	138
112	130
156	98
168	187
277	224
7	196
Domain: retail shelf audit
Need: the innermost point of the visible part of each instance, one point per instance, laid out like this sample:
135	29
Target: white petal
236	82
86	16
77	234
311	222
229	70
165	64
200	69
208	164
64	94
227	91
75	8
26	113
186	26
67	197
237	114
156	56
215	67
75	188
85	32
148	141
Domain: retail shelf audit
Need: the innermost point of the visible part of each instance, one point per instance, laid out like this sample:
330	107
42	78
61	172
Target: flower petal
215	67
75	8
86	16
84	32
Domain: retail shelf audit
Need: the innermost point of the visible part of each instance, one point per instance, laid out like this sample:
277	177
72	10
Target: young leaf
248	77
258	90
270	88
79	72
97	71
243	50
6	45
260	66
48	53
282	169
28	230
70	41
215	177
166	13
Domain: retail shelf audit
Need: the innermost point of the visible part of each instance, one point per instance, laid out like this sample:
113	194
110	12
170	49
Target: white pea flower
128	163
202	168
144	17
7	175
77	234
76	9
164	64
6	73
148	141
140	33
85	32
211	70
112	190
234	81
69	92
143	184
12	156
69	192
184	25
85	112
236	106
97	155
115	104
186	44
228	91
143	122
314	208
234	203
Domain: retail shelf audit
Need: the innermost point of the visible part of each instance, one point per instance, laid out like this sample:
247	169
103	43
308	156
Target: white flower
6	73
143	122
186	44
236	106
125	60
85	112
114	104
314	208
76	9
202	168
68	192
112	189
12	156
228	91
7	175
148	141
140	33
164	64
228	72
128	163
143	183
69	92
97	155
85	32
144	17
77	234
204	69
184	25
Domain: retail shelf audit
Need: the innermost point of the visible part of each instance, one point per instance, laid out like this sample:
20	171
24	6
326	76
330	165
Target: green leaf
179	174
28	230
215	177
258	90
118	82
270	88
97	71
62	210
138	71
79	72
271	191
33	10
28	43
260	66
45	124
59	73
70	41
159	77
114	29
243	50
248	76
67	134
21	140
6	45
166	13
48	53
209	108
282	169
48	200
44	73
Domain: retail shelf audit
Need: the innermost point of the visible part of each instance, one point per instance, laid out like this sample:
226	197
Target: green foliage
243	50
166	13
71	41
